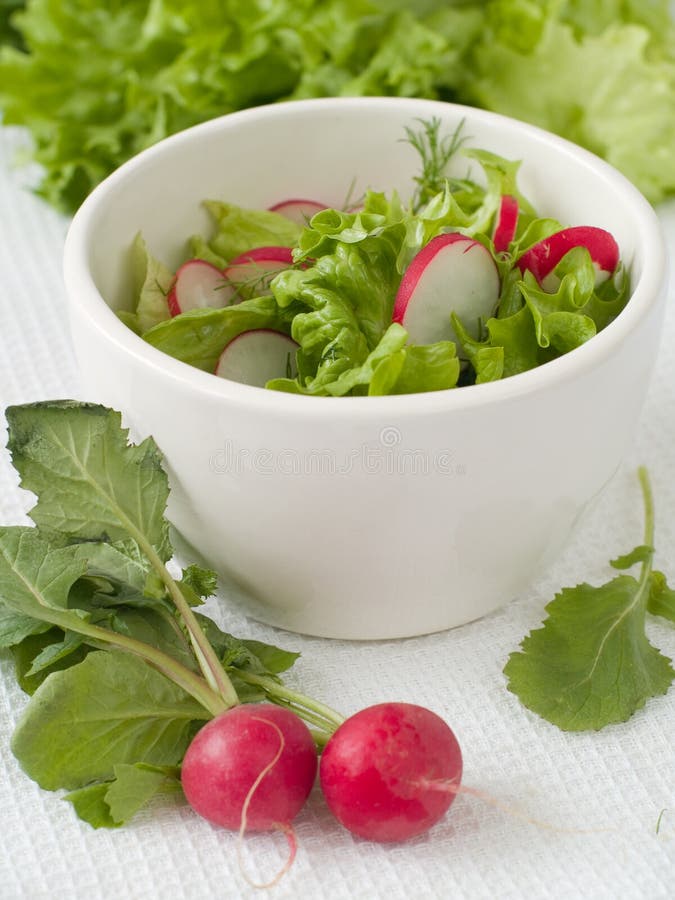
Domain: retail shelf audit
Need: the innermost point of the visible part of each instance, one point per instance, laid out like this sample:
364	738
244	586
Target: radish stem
189	681
274	689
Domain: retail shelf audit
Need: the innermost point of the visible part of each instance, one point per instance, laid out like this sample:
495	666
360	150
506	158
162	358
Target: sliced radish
505	225
198	283
256	268
298	210
452	273
543	257
255	357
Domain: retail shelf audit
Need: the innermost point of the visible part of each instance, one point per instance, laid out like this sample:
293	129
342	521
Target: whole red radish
391	771
252	766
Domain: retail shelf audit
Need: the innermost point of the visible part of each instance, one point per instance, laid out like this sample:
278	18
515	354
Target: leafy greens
591	663
337	298
122	670
96	83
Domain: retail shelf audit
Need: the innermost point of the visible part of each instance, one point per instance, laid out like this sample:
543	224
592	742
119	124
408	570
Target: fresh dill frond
435	153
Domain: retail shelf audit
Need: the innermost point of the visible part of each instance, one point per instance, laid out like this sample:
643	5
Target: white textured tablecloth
616	783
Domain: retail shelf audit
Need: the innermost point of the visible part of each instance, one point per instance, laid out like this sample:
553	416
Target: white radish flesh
452	273
298	210
544	256
255	357
198	284
256	268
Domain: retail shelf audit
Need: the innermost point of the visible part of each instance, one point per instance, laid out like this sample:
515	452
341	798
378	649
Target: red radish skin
256	267
506	224
257	356
391	771
297	209
229	754
452	273
197	284
544	256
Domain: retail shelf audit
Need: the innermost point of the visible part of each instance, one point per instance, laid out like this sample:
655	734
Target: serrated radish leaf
661	597
639	554
90	806
35	580
28	650
110	804
89	481
70	736
135	785
591	664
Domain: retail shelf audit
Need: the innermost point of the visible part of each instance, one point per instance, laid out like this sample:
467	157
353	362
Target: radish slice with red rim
298	209
542	258
452	273
256	268
256	357
198	284
505	224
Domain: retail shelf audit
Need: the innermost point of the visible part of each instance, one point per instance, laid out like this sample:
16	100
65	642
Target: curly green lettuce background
97	82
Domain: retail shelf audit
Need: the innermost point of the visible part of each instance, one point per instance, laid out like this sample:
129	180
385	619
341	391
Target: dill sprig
435	153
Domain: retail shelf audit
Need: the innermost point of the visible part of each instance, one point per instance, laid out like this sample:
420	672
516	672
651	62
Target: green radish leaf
641	554
590	664
15	628
110	804
258	657
661	597
198	583
135	785
158	628
70	735
121	561
35	580
90	483
55	653
90	805
31	647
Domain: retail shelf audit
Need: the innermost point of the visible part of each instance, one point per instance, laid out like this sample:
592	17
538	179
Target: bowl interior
328	150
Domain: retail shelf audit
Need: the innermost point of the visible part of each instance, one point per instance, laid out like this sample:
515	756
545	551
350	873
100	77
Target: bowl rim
84	295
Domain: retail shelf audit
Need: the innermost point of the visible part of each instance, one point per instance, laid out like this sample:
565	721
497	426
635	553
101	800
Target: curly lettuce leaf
611	91
239	230
349	296
152	283
199	336
533	325
98	83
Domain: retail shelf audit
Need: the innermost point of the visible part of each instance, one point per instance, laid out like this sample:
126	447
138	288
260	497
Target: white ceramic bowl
365	517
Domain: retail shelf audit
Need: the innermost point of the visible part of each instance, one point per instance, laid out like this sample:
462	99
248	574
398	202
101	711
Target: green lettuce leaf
98	83
152	283
349	294
199	336
239	230
610	90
